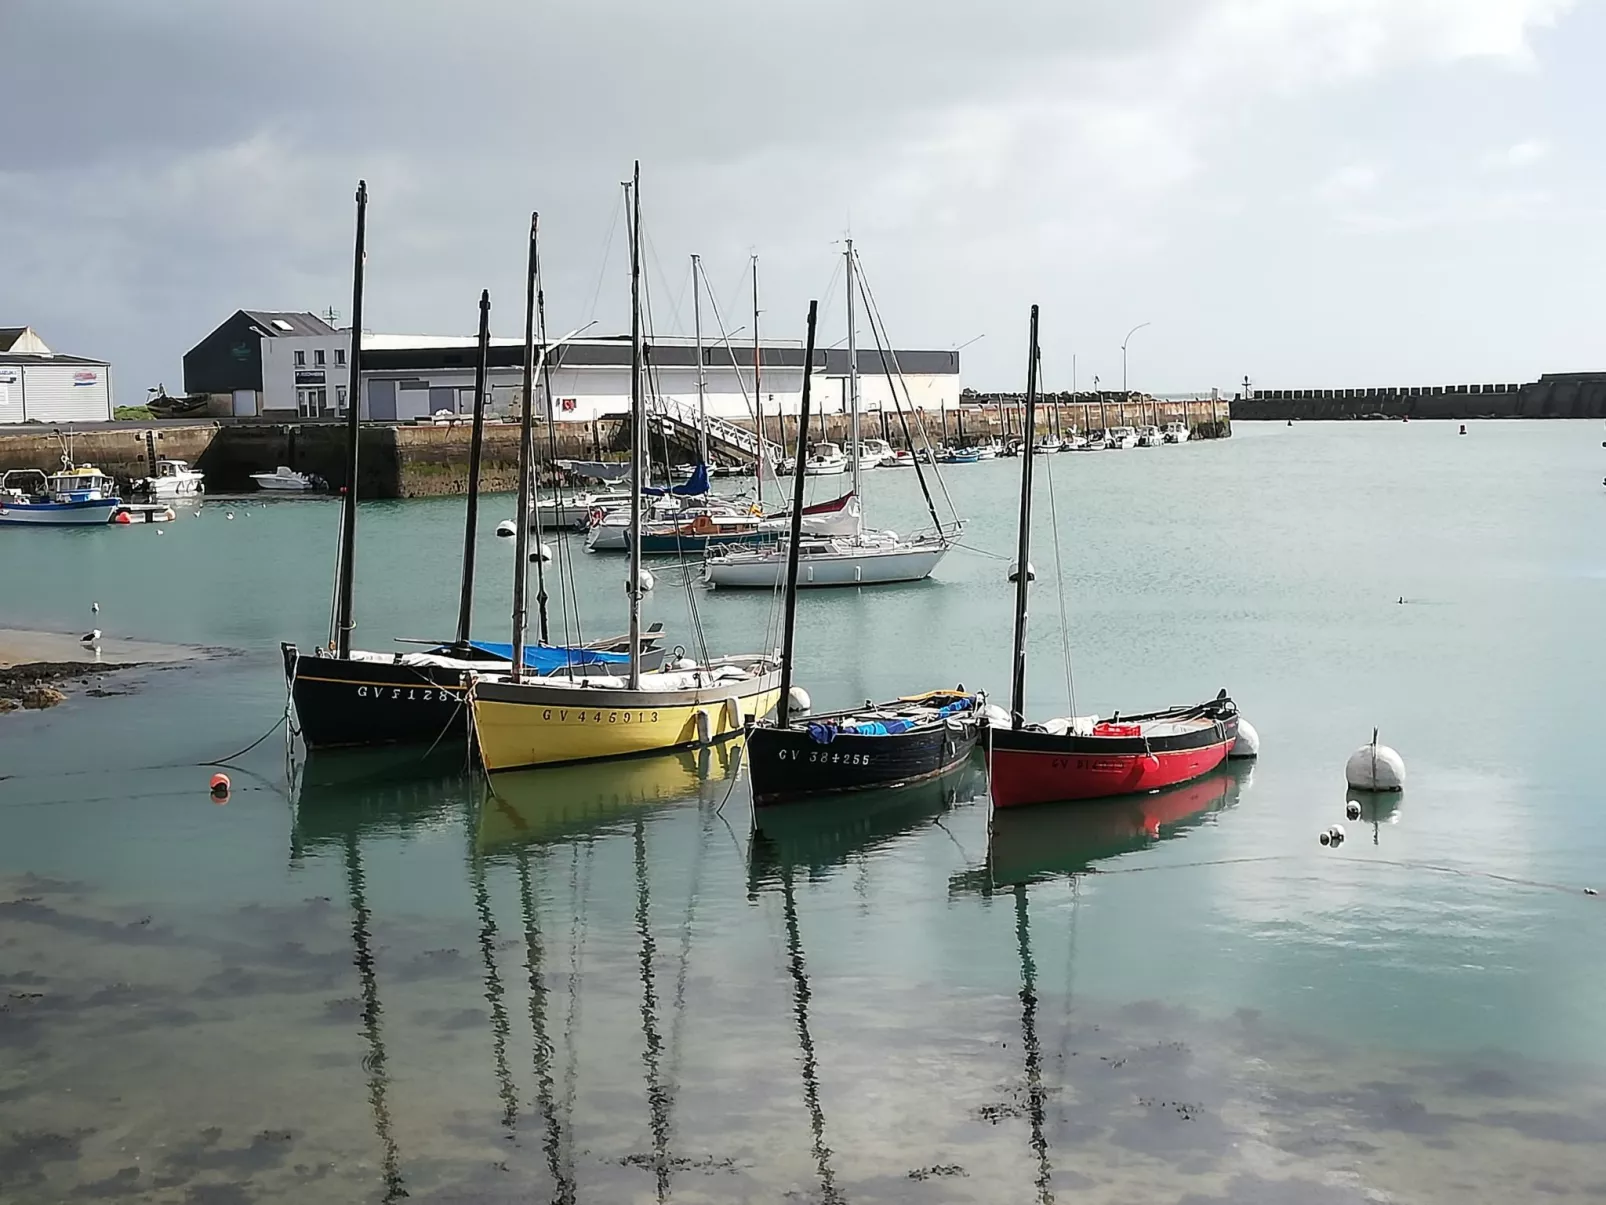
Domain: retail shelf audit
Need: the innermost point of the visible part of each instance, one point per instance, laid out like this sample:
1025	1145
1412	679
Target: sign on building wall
568	404
85	377
8	378
310	377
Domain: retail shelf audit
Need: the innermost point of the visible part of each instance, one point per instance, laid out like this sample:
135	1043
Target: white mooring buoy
799	699
507	528
1335	835
643	583
542	554
1247	746
1375	767
1014	571
1352	810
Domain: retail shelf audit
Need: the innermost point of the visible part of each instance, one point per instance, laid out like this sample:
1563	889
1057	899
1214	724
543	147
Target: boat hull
542	724
1027	766
673	545
343	703
89	513
281	485
788	764
847	569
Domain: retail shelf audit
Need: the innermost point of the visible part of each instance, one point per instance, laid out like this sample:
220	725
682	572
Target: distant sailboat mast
702	380
638	466
758	397
853	382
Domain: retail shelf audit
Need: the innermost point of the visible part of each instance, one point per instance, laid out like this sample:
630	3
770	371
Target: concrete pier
1553	395
430	460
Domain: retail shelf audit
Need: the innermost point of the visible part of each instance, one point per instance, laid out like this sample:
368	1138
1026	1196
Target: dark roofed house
227	364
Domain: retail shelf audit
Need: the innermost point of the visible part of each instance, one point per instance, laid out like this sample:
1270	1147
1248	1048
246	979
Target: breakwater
431	460
1553	395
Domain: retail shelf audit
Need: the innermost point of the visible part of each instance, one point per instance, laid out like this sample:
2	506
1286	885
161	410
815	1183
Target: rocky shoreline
33	686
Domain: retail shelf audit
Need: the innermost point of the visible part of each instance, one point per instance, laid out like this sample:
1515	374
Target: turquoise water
369	976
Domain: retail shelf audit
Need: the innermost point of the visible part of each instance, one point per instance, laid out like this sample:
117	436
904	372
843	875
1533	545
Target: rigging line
500	1026
546	384
873	312
1059	585
920	473
541	1041
607	246
658	1099
674	312
568	603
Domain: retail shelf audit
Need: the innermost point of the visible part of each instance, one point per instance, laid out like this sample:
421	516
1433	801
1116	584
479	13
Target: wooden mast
783	708
702	381
465	602
638	477
1017	697
348	513
526	511
758	397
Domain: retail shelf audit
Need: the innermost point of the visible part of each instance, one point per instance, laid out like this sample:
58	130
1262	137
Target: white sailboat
858	558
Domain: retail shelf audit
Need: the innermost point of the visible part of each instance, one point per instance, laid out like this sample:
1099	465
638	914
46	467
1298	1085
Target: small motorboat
959	456
1093	441
990	450
73	496
1176	432
1121	437
285	480
144	512
1085	757
1150	437
173	479
826	460
901	459
874	453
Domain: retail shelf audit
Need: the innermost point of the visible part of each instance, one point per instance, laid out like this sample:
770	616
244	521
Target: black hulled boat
346	697
906	740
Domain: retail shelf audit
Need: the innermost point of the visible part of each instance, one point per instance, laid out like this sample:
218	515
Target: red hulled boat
1085	758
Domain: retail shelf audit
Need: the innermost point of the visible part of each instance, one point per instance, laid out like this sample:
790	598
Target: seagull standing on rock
91	638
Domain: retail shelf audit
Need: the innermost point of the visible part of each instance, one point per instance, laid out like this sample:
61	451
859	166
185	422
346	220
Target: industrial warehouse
293	365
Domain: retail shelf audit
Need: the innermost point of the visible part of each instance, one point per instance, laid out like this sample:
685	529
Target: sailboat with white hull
583	715
865	557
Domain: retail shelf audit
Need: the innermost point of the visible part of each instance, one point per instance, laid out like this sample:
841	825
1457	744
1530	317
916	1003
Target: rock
7	705
39	696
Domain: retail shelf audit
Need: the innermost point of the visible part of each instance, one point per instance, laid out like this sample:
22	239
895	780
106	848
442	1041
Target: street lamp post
1124	393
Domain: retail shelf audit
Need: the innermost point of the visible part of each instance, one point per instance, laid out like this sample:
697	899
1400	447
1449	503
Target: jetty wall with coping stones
1553	395
429	460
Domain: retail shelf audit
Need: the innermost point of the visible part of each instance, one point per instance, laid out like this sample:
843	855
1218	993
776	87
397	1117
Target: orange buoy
220	787
122	516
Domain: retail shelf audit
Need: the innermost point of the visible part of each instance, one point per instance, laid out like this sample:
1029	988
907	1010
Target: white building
38	385
255	367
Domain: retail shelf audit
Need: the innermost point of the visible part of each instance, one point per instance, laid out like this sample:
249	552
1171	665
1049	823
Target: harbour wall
1554	395
429	460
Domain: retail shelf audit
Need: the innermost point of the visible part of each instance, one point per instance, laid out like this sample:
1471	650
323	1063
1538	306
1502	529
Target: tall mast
1017	697
758	397
348	512
538	291
702	380
465	602
526	512
853	380
638	476
784	706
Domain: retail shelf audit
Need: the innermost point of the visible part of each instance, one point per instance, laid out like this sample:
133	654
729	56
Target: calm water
375	977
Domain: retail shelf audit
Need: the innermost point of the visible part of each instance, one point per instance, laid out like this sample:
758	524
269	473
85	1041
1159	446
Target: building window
301	359
305	405
322	396
340	355
317	357
340	398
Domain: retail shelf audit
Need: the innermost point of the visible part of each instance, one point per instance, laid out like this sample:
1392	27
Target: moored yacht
1176	432
1121	437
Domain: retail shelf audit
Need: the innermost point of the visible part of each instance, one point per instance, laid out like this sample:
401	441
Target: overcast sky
1310	192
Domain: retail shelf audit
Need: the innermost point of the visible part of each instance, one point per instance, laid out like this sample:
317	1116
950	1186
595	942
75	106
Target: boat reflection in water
526	807
830	830
1027	844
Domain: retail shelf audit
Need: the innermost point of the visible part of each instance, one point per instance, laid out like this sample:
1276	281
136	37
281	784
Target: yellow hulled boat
547	721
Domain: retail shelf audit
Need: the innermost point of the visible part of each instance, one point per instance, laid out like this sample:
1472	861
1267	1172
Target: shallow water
379	977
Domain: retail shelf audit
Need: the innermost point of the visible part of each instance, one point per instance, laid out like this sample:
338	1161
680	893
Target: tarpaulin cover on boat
543	658
693	486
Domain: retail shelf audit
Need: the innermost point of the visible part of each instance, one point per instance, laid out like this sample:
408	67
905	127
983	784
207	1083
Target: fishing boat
285	480
991	450
173	479
907	740
1086	757
845	556
826	460
1150	437
1176	432
72	496
1120	438
583	715
347	697
903	458
959	456
1093	441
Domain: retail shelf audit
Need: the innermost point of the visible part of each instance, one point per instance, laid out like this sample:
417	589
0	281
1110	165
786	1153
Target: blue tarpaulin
544	658
694	486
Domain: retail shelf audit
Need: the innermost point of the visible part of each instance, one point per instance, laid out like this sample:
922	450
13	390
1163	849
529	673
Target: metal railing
684	415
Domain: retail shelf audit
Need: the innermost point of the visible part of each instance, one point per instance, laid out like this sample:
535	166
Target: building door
442	398
382	401
245	403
